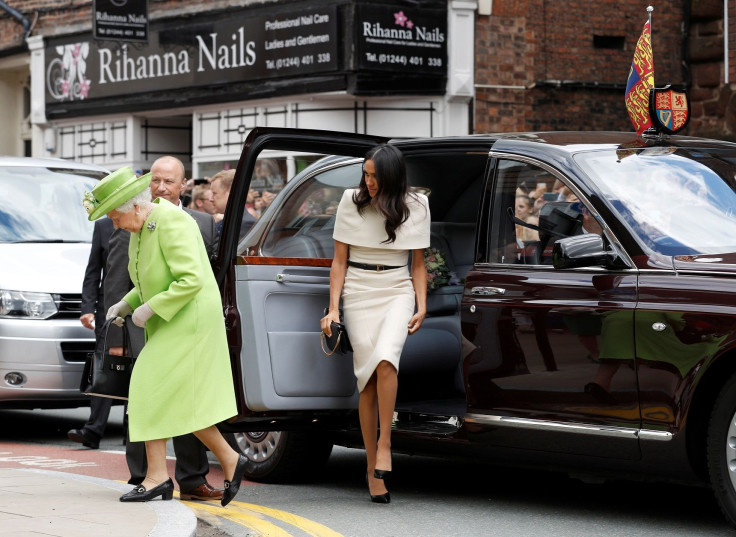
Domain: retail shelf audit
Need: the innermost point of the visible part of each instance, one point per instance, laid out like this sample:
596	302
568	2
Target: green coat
182	381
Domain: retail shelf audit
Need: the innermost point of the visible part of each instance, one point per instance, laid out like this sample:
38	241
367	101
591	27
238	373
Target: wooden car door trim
575	428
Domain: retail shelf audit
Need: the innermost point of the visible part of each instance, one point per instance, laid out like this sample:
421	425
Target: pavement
36	503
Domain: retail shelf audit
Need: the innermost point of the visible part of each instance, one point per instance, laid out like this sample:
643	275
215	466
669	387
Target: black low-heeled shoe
140	494
378	498
231	487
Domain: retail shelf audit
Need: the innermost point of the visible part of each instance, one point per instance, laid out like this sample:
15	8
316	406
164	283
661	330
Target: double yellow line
255	518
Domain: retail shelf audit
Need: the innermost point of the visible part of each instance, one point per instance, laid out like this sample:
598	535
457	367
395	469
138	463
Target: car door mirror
579	251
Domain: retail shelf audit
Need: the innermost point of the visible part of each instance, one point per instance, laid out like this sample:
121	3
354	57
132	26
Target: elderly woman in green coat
182	381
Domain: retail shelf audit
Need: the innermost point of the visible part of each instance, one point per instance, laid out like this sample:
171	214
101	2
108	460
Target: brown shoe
203	492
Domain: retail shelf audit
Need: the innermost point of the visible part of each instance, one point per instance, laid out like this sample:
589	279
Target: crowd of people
198	195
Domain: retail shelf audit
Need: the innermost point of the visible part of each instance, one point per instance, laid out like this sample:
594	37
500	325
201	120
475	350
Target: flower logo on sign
66	76
402	20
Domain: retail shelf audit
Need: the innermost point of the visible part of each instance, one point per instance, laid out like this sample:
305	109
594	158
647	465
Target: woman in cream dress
378	226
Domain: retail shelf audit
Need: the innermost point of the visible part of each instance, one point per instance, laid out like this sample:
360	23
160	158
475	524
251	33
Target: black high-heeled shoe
382	474
378	498
231	487
140	494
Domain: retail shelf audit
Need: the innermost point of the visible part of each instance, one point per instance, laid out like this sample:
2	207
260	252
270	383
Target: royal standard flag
641	80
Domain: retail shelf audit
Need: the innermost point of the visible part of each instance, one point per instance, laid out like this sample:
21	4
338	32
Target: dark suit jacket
208	230
117	285
93	300
245	224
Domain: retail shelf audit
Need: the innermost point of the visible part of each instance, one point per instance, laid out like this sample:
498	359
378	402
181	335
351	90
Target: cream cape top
368	229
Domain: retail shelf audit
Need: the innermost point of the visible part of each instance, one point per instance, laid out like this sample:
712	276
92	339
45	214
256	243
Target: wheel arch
717	374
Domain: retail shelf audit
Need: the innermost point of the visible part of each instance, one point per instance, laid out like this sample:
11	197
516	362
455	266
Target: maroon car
593	330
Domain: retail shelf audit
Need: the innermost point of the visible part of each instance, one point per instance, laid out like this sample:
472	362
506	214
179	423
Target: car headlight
26	305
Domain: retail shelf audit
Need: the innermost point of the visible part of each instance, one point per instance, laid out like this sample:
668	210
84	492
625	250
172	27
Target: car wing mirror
584	250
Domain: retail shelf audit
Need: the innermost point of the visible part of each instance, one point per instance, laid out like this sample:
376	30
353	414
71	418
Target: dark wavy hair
393	188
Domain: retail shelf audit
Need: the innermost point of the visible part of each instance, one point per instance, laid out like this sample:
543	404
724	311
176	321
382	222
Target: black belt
377	268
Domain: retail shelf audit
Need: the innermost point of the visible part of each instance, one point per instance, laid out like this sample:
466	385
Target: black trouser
99	407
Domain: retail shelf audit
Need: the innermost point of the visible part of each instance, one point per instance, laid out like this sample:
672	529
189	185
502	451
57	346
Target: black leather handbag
338	342
105	374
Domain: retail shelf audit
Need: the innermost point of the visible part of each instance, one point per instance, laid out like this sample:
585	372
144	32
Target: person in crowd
524	211
168	180
221	184
267	174
267	198
202	199
250	201
93	317
378	225
173	390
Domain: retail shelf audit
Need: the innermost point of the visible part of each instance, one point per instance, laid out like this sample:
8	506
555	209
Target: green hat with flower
114	190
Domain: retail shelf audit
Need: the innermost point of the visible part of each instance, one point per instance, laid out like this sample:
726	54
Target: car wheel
282	456
722	449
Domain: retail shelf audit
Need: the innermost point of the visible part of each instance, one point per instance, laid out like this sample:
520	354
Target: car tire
721	450
283	456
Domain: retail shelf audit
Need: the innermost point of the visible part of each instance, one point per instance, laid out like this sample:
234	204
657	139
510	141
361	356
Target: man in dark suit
117	285
93	317
167	181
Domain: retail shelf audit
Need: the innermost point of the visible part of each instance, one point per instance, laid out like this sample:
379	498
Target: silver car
44	247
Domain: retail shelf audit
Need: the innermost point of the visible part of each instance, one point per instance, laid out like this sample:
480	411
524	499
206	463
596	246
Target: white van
45	242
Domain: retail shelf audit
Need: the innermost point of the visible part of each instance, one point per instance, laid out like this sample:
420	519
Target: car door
552	362
276	281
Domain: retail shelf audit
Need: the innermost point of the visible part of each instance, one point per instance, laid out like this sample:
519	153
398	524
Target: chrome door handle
486	291
293	278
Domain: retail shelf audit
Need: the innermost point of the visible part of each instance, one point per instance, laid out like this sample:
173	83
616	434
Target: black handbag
105	374
338	342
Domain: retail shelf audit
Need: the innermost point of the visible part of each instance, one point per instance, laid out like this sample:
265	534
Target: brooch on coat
151	226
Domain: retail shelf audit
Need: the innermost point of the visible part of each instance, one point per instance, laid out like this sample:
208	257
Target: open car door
275	280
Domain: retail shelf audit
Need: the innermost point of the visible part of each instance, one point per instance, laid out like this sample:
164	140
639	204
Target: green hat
114	190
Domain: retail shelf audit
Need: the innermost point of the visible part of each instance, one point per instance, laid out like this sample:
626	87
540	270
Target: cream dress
378	305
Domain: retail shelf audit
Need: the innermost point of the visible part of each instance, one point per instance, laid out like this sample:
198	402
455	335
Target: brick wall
713	112
548	47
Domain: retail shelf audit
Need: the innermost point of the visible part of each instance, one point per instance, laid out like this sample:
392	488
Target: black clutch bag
338	342
105	374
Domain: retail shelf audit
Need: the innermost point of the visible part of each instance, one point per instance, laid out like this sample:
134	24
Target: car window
531	209
41	204
303	226
675	201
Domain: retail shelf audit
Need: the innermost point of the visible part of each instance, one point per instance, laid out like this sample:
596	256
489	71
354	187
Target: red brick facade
538	66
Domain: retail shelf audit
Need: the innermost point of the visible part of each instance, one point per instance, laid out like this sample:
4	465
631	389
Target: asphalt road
429	496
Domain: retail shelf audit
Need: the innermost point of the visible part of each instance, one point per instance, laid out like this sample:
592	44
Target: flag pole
651	44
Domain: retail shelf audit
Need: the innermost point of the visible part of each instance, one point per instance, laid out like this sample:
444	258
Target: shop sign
259	46
404	38
120	20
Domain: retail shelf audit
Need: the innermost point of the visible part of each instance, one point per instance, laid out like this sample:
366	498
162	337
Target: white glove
118	312
142	314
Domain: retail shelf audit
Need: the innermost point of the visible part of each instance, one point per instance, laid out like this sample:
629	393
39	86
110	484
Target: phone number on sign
406	60
296	61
